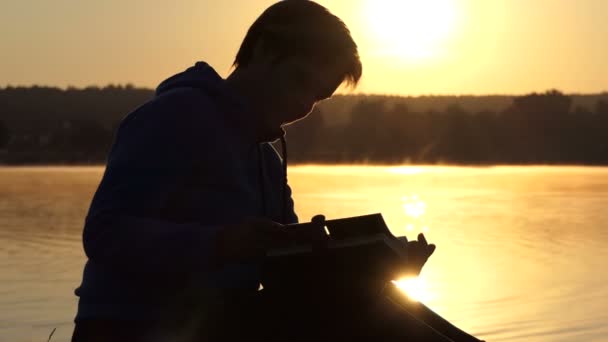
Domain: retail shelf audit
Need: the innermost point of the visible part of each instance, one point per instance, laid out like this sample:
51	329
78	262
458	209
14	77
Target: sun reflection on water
415	209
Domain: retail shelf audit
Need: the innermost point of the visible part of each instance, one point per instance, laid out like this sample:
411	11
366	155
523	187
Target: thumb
431	249
319	219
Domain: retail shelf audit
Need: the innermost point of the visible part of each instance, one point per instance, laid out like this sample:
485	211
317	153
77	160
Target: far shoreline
340	164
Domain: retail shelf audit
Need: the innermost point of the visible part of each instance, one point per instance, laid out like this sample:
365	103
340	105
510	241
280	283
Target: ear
263	52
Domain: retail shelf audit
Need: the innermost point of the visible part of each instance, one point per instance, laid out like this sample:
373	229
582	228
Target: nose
309	107
309	103
300	110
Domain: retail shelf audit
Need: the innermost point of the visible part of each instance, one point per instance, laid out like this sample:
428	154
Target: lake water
521	251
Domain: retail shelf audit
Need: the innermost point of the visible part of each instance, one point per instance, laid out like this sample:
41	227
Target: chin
280	133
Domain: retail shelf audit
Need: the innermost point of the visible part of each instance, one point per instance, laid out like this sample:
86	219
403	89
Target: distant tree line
534	129
40	125
44	125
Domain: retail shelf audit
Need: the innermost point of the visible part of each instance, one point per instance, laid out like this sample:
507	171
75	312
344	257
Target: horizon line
135	87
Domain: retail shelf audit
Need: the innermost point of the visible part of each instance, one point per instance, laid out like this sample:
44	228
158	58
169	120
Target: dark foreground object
262	316
324	288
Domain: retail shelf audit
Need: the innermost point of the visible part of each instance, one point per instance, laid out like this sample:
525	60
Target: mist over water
521	251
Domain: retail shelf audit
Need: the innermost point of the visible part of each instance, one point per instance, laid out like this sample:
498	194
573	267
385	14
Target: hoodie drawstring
284	185
284	199
261	178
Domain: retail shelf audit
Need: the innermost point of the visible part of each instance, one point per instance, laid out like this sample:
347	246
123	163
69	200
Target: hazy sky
407	46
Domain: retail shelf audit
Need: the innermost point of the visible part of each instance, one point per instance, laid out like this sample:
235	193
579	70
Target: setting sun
411	29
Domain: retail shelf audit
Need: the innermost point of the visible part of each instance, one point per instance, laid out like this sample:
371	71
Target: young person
193	193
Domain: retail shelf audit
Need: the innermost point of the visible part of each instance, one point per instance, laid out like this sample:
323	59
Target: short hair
303	28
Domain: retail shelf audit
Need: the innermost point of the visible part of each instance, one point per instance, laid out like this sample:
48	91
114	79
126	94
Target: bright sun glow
411	29
414	288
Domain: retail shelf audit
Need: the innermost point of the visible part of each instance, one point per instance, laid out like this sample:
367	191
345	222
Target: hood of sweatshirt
203	77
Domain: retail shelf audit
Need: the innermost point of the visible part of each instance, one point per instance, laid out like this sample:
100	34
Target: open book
354	252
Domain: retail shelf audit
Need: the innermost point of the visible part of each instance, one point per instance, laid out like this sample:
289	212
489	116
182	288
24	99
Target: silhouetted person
4	135
193	194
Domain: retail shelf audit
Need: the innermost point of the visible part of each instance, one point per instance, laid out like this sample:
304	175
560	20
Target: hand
249	239
418	252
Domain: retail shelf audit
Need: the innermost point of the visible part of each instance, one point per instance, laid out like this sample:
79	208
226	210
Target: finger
422	239
319	219
431	249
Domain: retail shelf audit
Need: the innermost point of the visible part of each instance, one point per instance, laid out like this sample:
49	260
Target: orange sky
408	47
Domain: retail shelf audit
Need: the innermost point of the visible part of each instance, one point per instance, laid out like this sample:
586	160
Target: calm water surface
522	251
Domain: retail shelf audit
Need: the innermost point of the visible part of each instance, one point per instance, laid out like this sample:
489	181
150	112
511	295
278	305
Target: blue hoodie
182	167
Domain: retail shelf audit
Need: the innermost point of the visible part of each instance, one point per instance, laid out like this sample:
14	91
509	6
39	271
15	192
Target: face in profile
295	87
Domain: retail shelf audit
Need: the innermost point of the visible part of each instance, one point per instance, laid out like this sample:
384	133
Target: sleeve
154	148
292	217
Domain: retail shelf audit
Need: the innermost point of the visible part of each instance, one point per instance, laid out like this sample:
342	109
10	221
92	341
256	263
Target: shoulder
177	103
184	97
181	113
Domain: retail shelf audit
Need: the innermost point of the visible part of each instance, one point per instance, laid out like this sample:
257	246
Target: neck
245	86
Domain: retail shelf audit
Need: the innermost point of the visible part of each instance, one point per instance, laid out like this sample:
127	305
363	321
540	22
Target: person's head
294	55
